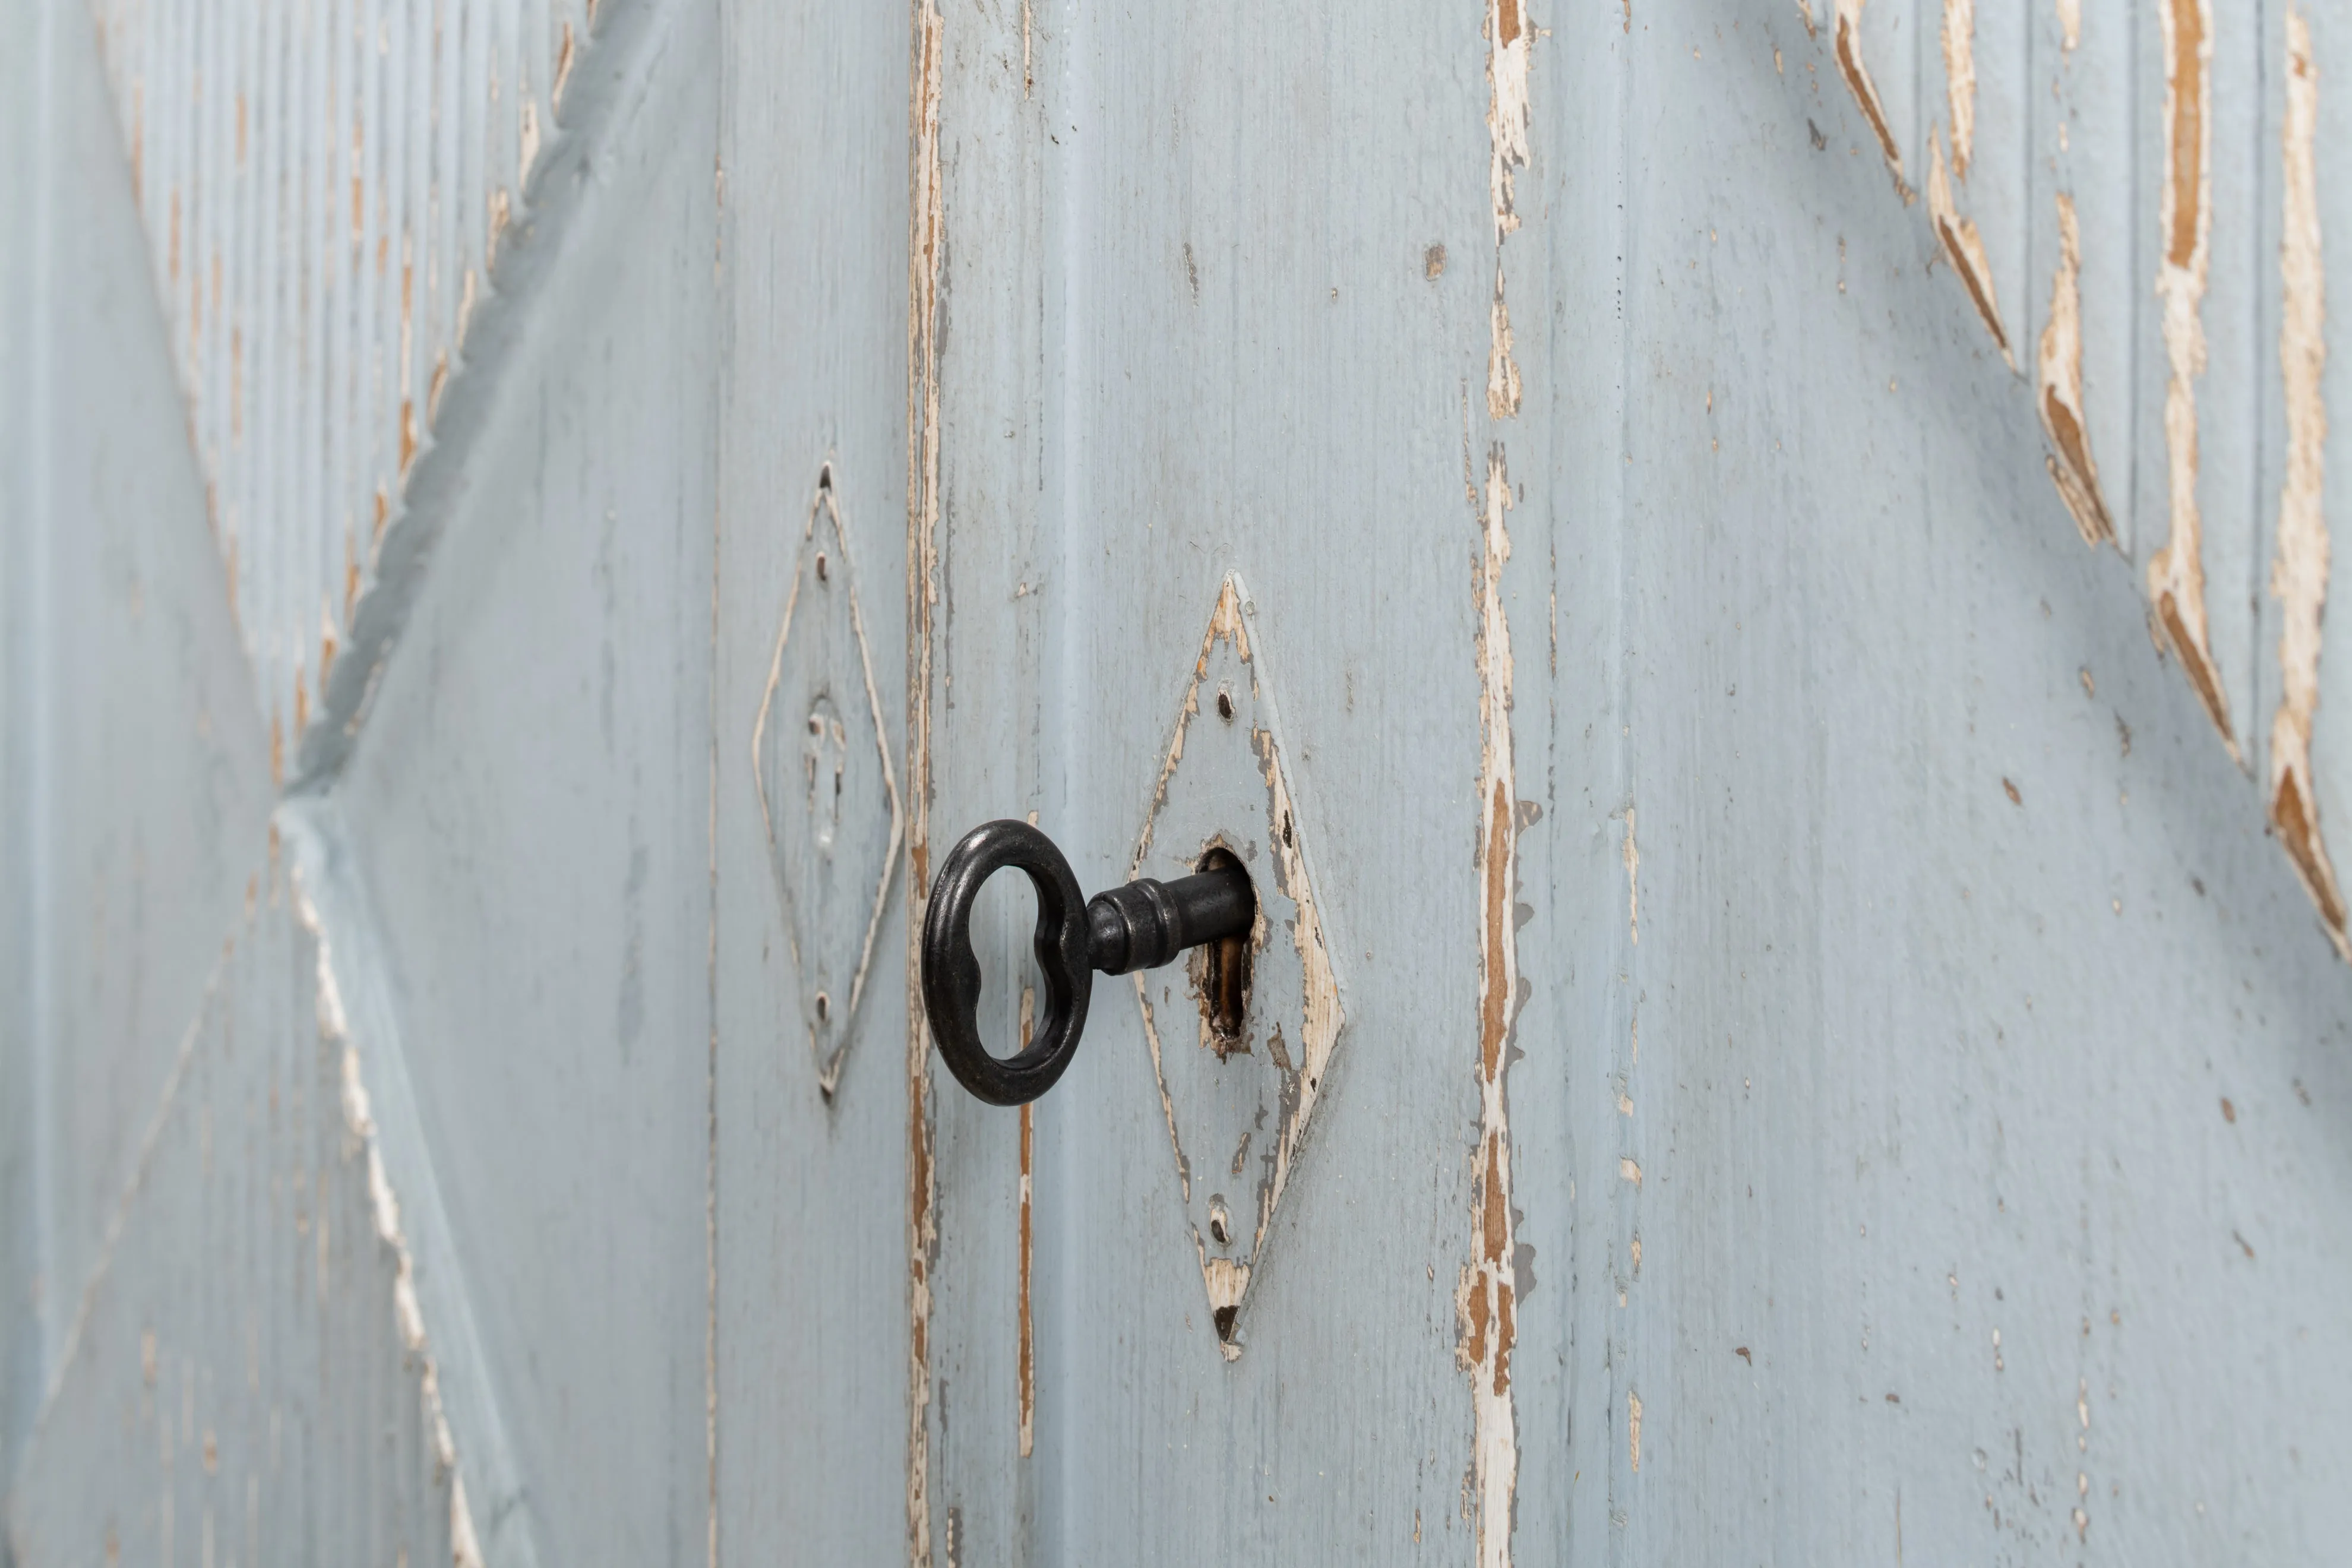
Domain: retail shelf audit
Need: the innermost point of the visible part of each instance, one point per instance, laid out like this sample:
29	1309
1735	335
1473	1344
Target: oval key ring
1141	924
952	972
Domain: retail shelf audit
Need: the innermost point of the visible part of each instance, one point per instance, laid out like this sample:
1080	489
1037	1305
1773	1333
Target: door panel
1793	1035
505	1354
539	740
1252	362
1730	567
136	784
810	1199
240	1381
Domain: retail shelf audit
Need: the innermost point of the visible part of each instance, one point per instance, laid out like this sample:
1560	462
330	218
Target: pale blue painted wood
137	790
538	741
1903	1058
2332	730
239	1385
1916	1062
810	1206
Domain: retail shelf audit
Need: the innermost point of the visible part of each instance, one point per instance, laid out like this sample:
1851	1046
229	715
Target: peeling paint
1964	247
259	214
1959	39
1502	369
464	1548
2299	571
1632	855
1507	116
1848	45
564	58
1484	1299
269	1014
925	241
527	139
2175	573
2070	25
1284	1009
2059	372
1633	1429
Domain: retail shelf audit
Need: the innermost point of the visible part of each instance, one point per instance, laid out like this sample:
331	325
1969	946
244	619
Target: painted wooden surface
137	778
248	1377
810	1202
328	190
1830	1057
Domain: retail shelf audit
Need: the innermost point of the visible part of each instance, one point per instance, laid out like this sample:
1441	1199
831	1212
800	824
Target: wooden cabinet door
1225	473
1590	504
1747	584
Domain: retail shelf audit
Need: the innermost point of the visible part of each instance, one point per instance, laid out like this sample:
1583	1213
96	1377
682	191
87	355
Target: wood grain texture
2162	126
987	555
1931	967
529	804
811	1191
1808	974
326	192
1906	1058
245	1380
1206	234
137	785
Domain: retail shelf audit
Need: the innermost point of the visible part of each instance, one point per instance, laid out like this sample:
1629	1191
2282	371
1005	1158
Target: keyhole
1221	1223
824	758
820	567
1224	974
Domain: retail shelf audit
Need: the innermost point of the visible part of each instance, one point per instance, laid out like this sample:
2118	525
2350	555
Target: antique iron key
1141	924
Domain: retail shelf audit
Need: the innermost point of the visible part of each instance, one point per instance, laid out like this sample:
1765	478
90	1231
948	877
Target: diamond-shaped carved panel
1237	1090
829	796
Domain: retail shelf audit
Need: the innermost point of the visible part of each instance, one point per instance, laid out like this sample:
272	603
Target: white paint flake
2059	372
2175	573
1507	37
2299	572
1486	1300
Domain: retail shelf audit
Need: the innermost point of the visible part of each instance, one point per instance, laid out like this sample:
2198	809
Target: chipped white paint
2075	332
1678	593
1485	1299
324	195
1964	247
1632	855
2175	573
2059	373
1960	40
1507	39
384	1206
299	1315
1502	369
926	242
2299	571
1232	793
1847	41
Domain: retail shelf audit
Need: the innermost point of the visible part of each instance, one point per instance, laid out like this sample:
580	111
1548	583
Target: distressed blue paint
1950	1013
